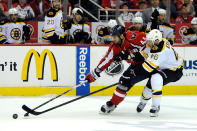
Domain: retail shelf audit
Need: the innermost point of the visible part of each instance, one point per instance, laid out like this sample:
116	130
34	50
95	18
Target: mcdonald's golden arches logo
39	62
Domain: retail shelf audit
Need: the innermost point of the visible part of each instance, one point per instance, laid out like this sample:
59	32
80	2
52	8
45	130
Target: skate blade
154	115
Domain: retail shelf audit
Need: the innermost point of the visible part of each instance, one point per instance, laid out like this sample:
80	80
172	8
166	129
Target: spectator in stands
190	35
78	28
142	6
173	11
184	16
148	12
3	9
25	11
189	6
74	3
38	8
126	16
108	4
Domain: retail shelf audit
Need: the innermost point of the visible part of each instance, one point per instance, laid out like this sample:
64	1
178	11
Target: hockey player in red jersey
122	47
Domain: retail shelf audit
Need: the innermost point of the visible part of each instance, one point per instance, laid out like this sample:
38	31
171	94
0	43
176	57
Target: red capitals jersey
133	40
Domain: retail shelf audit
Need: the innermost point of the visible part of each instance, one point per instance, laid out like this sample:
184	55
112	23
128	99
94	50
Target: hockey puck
15	116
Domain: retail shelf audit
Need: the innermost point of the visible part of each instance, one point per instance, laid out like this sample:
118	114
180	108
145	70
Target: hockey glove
124	55
67	24
92	76
155	14
27	32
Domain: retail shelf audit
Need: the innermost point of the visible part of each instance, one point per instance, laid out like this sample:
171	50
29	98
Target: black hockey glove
193	42
155	14
27	32
54	39
122	56
67	24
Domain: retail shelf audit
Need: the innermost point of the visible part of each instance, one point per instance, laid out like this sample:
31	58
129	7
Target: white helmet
138	20
194	21
13	11
154	35
112	23
77	10
162	11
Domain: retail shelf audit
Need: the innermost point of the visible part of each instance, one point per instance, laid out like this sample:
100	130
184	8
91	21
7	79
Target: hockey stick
33	112
26	114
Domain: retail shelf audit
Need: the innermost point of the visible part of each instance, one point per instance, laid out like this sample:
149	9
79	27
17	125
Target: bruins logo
15	33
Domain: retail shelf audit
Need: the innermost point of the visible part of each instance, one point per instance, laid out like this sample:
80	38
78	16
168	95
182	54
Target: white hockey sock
156	83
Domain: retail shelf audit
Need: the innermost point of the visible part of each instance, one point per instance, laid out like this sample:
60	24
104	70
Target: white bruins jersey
53	24
165	58
167	31
103	36
13	32
78	28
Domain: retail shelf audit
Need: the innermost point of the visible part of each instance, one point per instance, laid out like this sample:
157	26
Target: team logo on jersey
114	69
15	33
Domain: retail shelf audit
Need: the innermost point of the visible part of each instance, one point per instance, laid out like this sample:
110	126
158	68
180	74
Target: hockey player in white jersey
165	28
138	25
15	31
78	28
190	35
165	65
53	30
104	34
161	66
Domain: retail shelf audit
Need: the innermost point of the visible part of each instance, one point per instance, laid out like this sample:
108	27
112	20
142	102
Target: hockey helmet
112	23
13	11
137	20
194	21
162	11
118	30
154	35
77	10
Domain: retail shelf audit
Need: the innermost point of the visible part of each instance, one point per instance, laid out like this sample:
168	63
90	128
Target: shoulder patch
103	32
51	12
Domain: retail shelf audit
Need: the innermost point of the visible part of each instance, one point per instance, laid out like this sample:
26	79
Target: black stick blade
28	110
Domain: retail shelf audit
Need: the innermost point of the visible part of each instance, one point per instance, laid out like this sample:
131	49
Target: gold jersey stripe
152	64
146	67
53	28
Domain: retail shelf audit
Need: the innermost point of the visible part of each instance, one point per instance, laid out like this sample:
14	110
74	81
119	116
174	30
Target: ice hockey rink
178	113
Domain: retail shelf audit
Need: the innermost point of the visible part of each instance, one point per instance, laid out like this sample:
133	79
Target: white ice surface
177	113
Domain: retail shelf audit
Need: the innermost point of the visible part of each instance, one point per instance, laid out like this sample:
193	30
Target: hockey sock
118	96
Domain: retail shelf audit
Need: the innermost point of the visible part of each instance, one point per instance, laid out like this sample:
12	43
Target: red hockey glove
92	76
